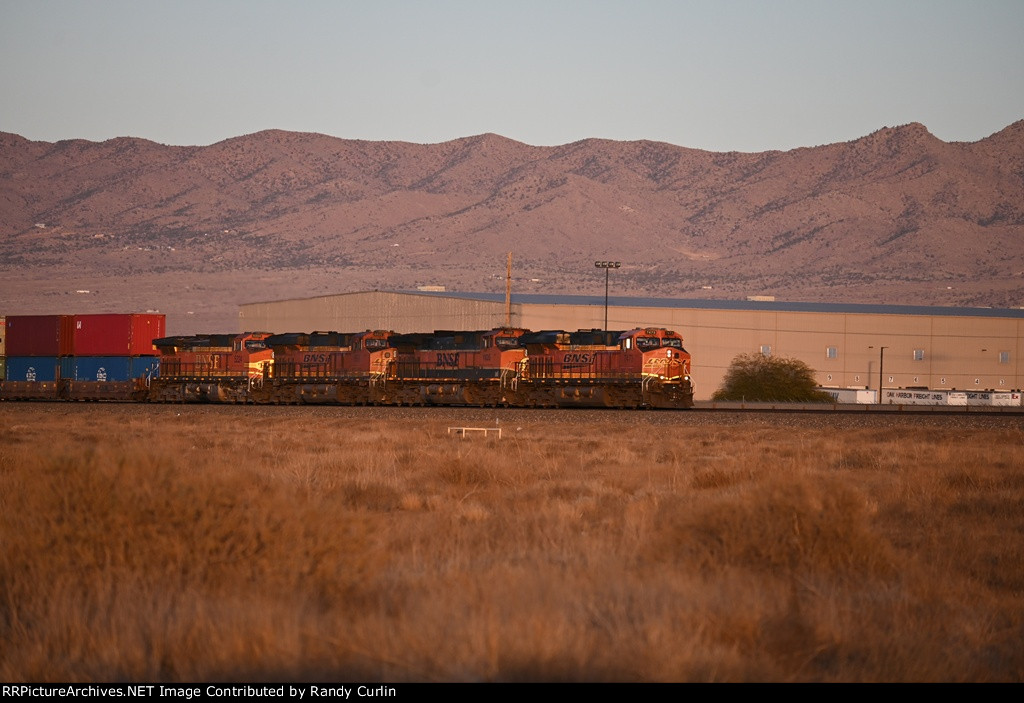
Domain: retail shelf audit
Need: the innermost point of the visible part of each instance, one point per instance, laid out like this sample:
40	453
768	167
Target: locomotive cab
502	351
250	355
504	338
662	352
374	353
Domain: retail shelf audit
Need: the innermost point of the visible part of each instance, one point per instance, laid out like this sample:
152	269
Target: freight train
638	368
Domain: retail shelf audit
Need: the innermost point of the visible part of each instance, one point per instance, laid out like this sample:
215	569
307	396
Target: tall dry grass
208	543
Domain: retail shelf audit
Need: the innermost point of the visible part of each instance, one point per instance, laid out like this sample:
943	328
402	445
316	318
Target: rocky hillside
898	216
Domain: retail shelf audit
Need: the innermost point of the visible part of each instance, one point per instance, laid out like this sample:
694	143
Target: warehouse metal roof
698	304
768	306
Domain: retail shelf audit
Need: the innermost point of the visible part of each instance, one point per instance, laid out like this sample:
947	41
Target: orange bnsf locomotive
213	368
640	368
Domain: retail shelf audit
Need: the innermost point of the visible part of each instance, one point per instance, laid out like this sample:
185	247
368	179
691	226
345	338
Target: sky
731	75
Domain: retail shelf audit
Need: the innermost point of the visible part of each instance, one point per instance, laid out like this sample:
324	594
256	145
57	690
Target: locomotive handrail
510	378
645	391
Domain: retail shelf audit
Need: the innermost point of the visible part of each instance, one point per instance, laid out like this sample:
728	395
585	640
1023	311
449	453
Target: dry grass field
192	543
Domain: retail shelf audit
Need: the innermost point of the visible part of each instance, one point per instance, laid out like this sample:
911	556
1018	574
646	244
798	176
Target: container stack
111	347
34	346
3	348
79	356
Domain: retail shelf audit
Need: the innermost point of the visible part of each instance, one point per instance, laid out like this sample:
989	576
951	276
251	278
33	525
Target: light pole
606	265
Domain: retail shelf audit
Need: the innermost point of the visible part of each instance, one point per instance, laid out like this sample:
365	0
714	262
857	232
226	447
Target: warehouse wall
934	351
956	352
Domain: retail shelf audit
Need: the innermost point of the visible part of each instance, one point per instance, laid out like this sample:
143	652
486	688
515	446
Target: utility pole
881	364
508	292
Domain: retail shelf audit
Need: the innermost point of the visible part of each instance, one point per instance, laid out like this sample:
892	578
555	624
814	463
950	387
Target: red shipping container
115	334
37	335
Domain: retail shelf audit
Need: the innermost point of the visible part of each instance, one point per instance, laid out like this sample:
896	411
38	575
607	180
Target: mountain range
897	216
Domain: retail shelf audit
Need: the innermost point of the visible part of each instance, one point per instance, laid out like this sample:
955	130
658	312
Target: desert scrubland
191	543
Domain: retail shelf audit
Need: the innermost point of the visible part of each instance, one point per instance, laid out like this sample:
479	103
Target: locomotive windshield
649	343
375	344
506	342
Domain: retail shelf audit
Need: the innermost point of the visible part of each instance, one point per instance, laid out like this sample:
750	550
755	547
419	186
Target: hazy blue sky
727	75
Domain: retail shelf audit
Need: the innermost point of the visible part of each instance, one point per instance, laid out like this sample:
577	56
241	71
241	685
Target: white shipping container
852	395
1000	398
1011	399
956	397
904	396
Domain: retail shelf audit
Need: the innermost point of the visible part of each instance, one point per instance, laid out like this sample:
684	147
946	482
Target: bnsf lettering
208	359
448	359
578	358
316	358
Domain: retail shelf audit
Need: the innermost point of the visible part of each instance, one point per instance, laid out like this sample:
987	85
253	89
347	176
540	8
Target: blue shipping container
108	368
32	368
95	368
145	366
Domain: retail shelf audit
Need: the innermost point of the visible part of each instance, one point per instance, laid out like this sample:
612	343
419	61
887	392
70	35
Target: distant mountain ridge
896	216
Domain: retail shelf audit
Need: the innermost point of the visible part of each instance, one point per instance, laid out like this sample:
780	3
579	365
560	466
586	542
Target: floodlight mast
607	266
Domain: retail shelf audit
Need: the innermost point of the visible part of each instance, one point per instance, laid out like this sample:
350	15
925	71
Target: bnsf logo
315	358
578	358
448	359
209	359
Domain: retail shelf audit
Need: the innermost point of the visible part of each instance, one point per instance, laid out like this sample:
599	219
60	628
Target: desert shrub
756	377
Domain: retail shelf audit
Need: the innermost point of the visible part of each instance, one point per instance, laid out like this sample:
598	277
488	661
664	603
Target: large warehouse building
849	346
